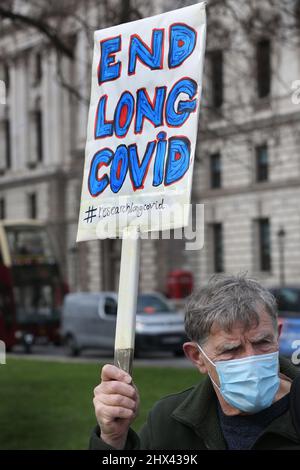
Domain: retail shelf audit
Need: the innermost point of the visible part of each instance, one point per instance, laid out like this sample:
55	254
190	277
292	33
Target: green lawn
48	405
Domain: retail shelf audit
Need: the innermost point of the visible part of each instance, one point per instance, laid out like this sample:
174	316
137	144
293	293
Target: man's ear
194	355
280	325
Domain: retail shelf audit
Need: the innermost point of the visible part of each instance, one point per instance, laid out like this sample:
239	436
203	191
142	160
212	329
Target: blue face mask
248	384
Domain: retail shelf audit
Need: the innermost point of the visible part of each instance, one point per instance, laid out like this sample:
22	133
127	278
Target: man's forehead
239	330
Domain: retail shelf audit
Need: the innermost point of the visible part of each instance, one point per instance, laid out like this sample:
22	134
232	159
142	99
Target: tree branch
40	26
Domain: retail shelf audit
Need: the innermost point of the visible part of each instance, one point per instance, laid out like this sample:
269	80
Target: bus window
34	300
29	244
6	296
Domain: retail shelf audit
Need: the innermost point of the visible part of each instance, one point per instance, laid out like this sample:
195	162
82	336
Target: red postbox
179	284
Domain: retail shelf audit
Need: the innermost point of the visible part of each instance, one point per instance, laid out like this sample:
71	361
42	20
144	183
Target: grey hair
227	300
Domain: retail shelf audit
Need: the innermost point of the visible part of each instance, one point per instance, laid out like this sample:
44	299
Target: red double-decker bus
31	284
7	308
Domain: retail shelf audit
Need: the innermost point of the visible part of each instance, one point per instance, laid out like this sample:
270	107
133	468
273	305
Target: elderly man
248	399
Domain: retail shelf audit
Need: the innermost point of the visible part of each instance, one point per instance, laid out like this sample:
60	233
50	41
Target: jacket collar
199	412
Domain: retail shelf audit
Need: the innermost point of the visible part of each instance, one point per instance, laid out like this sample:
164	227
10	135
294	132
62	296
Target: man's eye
230	351
263	343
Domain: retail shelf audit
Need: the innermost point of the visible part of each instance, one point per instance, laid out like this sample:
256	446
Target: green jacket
189	421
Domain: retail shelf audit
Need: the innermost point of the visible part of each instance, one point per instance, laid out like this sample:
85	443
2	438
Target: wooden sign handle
127	299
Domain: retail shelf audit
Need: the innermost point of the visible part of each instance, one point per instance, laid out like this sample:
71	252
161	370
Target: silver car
89	322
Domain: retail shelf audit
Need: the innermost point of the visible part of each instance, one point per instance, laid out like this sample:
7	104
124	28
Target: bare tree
59	21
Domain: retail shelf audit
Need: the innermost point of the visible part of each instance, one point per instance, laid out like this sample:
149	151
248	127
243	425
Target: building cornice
22	178
223	129
253	188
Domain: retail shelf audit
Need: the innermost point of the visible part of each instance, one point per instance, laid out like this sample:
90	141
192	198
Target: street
57	354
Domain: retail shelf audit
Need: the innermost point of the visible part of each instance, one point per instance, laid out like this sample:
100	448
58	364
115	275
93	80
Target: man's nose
249	350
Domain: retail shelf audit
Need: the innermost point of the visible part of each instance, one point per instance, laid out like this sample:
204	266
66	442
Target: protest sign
142	125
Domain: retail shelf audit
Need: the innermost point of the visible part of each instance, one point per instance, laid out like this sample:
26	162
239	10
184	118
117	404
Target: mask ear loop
209	360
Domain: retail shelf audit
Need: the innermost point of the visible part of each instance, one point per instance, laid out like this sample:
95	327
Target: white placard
142	125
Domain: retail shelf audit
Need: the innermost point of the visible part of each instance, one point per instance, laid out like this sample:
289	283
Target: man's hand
116	403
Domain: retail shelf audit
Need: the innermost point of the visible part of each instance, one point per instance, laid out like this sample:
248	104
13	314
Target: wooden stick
127	300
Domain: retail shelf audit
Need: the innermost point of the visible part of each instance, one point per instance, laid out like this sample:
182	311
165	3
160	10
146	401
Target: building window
39	134
32	206
215	171
2	209
216	72
297	14
7	143
218	255
262	163
264	242
6	76
110	259
263	68
38	71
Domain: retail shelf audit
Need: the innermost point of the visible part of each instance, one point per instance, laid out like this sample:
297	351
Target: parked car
288	301
89	321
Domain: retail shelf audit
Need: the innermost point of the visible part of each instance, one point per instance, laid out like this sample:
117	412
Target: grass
48	405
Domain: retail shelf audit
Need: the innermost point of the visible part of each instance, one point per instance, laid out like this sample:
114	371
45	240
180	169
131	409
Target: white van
89	321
